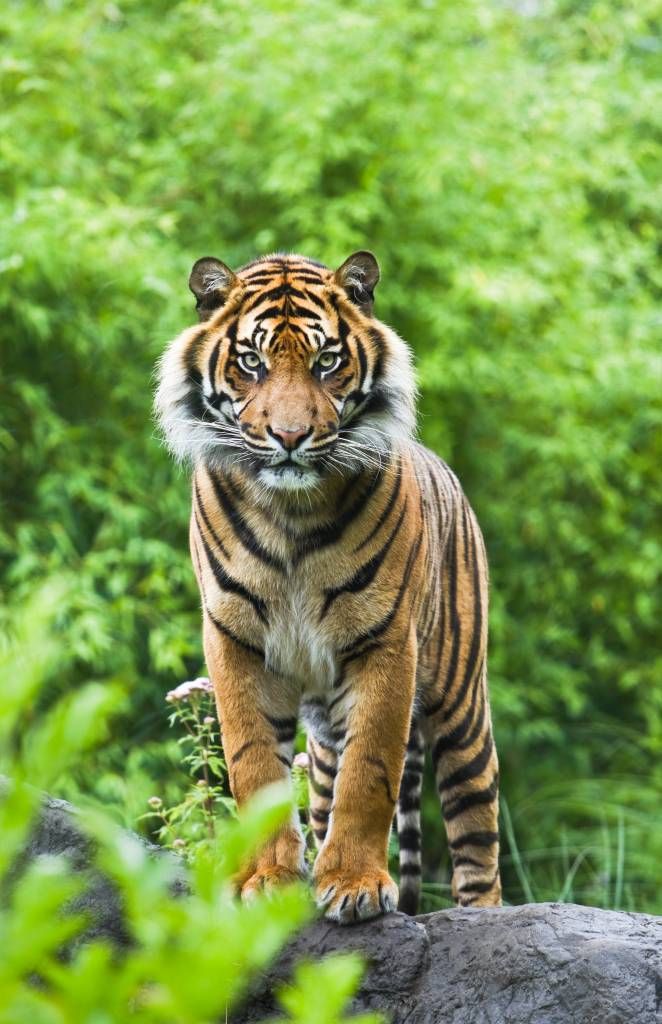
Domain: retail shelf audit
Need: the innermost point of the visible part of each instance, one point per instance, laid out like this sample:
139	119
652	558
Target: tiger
343	581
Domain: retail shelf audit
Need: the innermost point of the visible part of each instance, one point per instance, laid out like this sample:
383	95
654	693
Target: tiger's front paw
268	879
347	897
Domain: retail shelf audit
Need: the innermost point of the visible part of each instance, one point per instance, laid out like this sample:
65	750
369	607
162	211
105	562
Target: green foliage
505	168
192	955
338	976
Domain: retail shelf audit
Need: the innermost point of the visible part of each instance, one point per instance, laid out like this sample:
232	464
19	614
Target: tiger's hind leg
322	767
458	725
467	778
466	773
409	822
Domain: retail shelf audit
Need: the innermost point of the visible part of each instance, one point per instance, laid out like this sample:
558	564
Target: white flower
184	690
302	761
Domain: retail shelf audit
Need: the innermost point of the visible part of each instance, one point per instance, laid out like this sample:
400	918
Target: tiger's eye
250	360
328	360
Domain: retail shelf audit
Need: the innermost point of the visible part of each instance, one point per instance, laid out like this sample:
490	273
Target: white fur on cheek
189	439
369	437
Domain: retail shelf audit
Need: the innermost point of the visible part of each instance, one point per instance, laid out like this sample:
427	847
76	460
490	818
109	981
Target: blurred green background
503	161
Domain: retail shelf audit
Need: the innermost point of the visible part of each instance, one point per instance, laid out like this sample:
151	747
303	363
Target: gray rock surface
57	832
543	963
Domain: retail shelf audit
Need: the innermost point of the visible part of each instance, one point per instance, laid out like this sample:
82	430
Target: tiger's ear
359	275
211	282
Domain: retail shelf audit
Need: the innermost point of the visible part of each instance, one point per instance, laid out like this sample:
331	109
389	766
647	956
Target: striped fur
343	579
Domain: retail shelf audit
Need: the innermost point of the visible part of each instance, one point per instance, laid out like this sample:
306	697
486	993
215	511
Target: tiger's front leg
372	722
258	724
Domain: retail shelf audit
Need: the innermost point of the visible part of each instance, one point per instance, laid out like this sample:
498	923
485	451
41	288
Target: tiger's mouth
290	476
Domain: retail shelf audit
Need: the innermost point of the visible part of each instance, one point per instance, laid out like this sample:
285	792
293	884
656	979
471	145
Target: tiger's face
289	375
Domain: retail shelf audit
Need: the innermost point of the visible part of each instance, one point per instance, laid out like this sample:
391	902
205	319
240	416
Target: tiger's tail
409	822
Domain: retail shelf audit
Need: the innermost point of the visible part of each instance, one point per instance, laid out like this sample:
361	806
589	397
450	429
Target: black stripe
365	575
363	362
457	738
332	532
282	723
470	800
455	627
410	780
478	886
466	530
193	400
311	297
284	728
285	736
341	696
408	802
316	702
379	345
317	787
211	367
360	653
343	333
474	648
410	869
377	762
338	736
270	313
319	813
238	754
260	278
216	401
233	636
471	769
484	839
340	680
231	331
410	839
408	900
189	358
205	518
480	710
267	295
379	400
322	766
466	862
229	584
241	529
415	741
376	631
303	314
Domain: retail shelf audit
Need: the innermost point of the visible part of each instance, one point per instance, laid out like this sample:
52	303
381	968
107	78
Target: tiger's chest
299	646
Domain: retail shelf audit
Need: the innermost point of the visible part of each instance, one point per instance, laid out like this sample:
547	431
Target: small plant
193	821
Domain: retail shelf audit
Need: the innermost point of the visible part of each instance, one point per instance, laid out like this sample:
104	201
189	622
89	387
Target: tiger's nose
290	437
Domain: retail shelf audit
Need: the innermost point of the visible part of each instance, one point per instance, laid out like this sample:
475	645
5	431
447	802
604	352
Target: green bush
504	167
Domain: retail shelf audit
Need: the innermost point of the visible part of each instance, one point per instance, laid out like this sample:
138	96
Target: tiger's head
289	375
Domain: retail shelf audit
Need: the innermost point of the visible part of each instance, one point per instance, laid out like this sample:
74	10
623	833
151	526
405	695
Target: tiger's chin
290	477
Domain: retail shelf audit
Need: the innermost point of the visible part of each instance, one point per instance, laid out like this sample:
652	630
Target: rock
57	832
547	963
